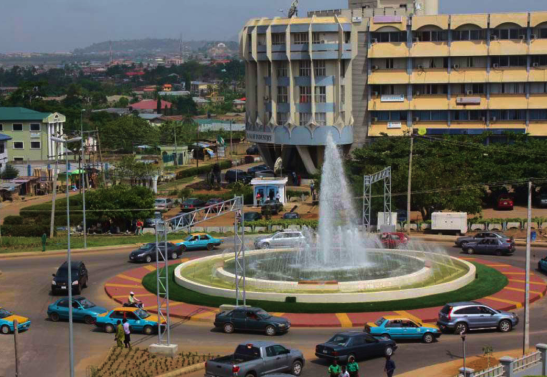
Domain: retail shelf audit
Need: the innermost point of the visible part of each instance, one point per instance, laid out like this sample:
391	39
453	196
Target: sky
62	25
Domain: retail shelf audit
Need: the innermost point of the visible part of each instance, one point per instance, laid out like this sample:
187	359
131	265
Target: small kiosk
269	188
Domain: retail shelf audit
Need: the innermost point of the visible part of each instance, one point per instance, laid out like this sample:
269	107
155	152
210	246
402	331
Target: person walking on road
127	334
334	369
390	367
44	240
353	368
120	335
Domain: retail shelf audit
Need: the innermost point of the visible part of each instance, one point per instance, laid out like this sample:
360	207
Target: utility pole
101	159
176	152
15	337
408	201
55	177
231	145
526	343
462	334
198	148
83	173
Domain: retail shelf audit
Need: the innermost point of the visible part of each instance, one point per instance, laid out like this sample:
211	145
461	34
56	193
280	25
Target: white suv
279	240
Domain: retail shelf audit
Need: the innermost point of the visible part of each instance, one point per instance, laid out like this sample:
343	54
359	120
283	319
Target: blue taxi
82	310
395	327
6	322
198	241
542	265
139	320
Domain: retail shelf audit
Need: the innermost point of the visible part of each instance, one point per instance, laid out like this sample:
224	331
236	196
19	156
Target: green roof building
31	133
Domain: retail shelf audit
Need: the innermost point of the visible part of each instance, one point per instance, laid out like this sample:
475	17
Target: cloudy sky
62	25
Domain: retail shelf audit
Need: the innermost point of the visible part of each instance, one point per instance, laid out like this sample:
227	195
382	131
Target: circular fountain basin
214	276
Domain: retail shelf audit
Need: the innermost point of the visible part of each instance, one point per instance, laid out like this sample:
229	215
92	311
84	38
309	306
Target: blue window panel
283	107
302	81
303	107
279	56
325	27
324	80
325	47
277	48
261	29
300	28
279	28
283	81
324	107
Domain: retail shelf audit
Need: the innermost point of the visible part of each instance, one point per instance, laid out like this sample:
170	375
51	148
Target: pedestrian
120	335
390	366
294	179
312	190
344	372
137	228
140	225
334	369
44	239
299	180
258	199
127	334
277	197
353	367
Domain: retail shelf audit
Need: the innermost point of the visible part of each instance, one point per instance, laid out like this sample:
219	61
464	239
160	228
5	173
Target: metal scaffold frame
369	180
185	222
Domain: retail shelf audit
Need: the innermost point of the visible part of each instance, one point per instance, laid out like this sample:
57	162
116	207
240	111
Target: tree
123	133
185	131
9	172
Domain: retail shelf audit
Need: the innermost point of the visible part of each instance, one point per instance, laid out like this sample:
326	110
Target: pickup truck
256	359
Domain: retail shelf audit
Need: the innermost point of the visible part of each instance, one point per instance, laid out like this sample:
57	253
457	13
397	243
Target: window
432	36
278	39
389	63
305	68
542	33
282	69
387	116
17	127
316	38
18	159
386	37
538	114
35	145
18	145
34	127
320	94
343	94
1	127
2	147
305	94
508	33
282	118
282	94
63	303
305	118
539	60
270	352
508	61
321	119
431	116
343	68
320	68
301	38
358	341
117	314
469	115
469	35
508	115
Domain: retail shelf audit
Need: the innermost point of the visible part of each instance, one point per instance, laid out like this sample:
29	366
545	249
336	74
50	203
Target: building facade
4	139
31	133
390	67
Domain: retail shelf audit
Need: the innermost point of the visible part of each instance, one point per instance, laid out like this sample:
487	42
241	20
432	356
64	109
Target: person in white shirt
344	373
127	331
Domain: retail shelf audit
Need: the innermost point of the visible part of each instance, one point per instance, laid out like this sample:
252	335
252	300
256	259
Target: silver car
464	316
280	240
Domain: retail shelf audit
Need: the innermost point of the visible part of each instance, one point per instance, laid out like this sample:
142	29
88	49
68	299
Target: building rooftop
21	114
150	104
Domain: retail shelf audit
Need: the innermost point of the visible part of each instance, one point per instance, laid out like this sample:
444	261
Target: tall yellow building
388	67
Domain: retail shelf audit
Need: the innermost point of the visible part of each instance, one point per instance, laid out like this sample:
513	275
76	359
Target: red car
393	240
505	202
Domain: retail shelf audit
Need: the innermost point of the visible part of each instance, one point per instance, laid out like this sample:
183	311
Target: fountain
338	259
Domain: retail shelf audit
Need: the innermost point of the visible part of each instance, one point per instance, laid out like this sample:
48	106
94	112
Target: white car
279	240
163	204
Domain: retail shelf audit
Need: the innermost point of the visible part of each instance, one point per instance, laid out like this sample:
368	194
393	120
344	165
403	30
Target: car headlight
282	325
75	282
141	255
53	282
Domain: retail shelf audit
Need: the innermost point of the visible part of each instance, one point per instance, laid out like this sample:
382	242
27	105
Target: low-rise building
31	132
4	151
149	105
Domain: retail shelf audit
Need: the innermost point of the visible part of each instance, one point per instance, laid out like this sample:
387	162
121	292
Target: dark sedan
215	203
252	216
251	319
291	216
237	175
490	246
252	171
147	252
191	204
359	345
461	241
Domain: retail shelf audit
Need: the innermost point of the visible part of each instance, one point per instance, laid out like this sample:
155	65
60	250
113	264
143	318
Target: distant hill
150	45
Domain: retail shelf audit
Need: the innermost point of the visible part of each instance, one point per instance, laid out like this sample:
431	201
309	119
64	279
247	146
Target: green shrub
29	230
13	220
202	170
284	223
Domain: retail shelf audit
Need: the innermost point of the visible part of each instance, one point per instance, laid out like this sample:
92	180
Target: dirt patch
136	362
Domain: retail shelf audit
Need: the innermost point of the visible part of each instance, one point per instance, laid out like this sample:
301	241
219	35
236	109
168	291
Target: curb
185	370
63	252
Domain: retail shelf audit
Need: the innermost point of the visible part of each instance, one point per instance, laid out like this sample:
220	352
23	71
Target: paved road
44	349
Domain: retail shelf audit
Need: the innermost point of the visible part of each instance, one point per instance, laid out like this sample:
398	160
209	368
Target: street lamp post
69	261
83	172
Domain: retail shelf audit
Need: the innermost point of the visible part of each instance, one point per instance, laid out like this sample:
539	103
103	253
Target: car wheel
389	351
148	259
54	317
183	248
89	320
499	253
386	336
296	369
270	330
210	246
85	283
228	328
4	329
109	329
174	255
148	330
265	246
428	338
505	325
461	327
470	251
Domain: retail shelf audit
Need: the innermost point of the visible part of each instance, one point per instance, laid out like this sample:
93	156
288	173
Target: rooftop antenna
294	9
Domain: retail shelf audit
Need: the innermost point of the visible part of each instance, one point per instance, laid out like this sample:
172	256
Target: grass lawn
173	185
489	281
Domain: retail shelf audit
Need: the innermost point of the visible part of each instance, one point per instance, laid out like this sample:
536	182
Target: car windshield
263	314
379	322
341	340
4	313
249	216
160	201
189	238
147	246
63	272
142	314
86	304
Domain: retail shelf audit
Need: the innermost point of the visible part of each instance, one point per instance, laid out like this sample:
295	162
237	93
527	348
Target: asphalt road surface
25	290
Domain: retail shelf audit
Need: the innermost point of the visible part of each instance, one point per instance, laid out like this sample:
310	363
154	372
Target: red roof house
149	104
